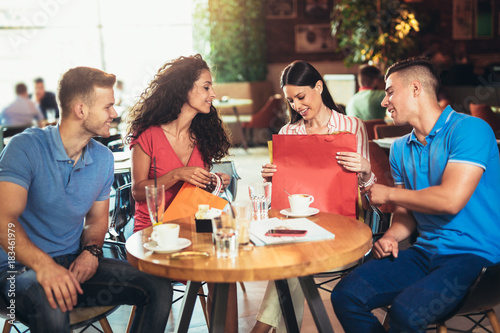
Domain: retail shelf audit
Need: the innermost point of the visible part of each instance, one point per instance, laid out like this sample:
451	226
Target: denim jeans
114	283
421	288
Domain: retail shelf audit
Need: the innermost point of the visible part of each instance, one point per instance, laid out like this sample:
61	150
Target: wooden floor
249	165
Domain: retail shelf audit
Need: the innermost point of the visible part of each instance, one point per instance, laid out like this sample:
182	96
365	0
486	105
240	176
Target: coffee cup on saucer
166	235
299	203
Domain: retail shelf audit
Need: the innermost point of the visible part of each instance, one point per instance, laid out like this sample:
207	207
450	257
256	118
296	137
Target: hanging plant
378	32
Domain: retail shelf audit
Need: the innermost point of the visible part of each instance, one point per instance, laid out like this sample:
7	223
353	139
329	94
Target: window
129	38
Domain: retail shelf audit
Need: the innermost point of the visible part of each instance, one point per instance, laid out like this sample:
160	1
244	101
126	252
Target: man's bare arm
96	225
458	183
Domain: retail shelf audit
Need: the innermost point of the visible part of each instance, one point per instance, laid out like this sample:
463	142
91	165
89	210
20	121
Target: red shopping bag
307	164
187	200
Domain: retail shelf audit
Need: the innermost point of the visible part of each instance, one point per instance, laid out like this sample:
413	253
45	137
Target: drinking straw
156	190
154	168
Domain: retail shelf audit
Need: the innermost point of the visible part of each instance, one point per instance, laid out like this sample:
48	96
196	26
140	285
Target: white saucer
310	211
181	244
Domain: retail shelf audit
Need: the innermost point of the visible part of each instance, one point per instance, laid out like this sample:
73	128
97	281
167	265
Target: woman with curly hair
175	123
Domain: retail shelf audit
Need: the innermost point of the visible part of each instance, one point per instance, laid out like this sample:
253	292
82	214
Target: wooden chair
269	117
485	112
79	318
390	131
370	127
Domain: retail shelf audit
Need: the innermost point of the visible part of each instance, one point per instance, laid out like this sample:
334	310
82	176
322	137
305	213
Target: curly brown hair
163	99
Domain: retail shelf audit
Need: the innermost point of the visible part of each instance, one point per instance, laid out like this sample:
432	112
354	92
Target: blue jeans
114	283
420	287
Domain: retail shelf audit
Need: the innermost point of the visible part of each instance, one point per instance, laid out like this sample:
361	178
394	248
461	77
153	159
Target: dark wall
435	17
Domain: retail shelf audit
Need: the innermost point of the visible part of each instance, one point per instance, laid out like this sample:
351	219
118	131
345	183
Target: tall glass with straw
155	197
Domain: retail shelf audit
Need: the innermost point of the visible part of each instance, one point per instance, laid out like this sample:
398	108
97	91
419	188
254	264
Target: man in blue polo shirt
447	176
54	202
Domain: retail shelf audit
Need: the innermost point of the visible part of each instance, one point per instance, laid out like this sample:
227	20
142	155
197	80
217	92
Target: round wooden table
353	240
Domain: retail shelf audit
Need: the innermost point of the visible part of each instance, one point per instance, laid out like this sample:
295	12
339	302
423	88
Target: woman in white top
312	111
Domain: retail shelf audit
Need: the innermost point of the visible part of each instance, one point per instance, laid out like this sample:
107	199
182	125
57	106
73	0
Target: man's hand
379	194
84	266
385	246
60	285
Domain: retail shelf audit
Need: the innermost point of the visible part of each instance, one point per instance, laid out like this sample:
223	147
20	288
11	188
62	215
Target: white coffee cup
166	235
299	203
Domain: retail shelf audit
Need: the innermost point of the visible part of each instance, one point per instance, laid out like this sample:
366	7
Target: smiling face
202	94
399	99
305	100
101	113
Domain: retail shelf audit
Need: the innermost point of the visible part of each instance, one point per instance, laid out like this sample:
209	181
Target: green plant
235	42
378	31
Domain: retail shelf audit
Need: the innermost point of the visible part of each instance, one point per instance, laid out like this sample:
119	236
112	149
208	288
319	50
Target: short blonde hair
79	82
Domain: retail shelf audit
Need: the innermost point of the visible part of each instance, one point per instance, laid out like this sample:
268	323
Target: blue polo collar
59	151
438	126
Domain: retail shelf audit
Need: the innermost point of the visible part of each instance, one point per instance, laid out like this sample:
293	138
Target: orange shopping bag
307	164
187	200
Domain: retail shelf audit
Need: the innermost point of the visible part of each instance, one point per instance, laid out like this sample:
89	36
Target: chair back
484	293
485	112
9	131
269	116
370	127
382	169
122	213
228	168
391	131
106	141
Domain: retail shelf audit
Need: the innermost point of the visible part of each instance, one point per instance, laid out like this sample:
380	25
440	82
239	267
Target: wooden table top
352	240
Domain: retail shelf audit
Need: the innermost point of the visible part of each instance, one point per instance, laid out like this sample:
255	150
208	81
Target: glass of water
260	197
225	233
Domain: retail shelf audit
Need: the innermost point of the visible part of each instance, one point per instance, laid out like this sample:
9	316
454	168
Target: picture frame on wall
484	19
281	9
312	38
463	15
317	8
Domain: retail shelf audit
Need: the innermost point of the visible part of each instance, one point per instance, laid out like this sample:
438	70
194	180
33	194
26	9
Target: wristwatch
94	249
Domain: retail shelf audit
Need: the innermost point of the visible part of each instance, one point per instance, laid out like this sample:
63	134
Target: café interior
132	39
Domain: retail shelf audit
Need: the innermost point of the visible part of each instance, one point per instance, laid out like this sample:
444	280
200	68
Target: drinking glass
226	236
51	115
155	197
242	214
260	197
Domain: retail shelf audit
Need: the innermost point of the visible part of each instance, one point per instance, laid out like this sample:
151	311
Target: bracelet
94	250
370	181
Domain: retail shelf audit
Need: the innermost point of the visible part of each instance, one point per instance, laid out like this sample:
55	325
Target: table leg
286	305
187	306
238	124
218	315
315	304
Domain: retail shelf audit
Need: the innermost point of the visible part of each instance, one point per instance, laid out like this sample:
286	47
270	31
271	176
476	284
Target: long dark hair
163	99
301	73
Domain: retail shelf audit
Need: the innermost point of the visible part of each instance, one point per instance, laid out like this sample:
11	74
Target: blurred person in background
365	104
22	112
46	101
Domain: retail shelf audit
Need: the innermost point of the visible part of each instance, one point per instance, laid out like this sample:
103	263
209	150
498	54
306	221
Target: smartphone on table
286	233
